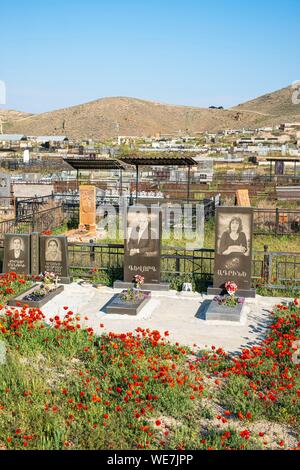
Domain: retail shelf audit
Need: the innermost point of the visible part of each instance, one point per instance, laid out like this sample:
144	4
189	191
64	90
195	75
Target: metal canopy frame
159	160
127	162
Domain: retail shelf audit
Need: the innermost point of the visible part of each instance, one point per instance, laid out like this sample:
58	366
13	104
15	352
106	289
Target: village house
13	141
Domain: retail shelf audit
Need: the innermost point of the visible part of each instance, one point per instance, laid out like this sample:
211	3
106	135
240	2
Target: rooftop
12	137
161	160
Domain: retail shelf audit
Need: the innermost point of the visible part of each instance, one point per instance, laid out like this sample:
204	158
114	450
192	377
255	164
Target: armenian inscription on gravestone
16	253
233	249
54	256
142	244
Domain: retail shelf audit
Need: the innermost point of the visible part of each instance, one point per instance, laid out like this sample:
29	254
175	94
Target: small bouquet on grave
50	281
229	300
133	296
138	281
231	287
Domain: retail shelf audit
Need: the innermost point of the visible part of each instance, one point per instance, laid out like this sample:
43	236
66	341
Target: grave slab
219	312
162	286
121	307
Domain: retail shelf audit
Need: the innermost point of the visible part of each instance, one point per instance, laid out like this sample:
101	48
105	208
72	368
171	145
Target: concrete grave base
247	293
182	317
162	286
119	306
144	313
19	300
223	313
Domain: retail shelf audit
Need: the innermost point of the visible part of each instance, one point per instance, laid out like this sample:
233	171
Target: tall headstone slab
142	244
54	256
16	253
233	250
35	253
5	189
87	208
242	198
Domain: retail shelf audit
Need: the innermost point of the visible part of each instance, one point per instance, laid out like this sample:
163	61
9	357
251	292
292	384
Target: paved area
182	314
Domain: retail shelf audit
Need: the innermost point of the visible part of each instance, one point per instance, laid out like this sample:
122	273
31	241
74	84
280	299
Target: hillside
9	115
276	105
108	117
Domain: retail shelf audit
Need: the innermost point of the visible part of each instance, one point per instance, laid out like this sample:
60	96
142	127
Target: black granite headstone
233	250
54	256
35	253
16	253
142	244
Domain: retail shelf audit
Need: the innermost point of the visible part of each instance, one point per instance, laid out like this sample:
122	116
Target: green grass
60	230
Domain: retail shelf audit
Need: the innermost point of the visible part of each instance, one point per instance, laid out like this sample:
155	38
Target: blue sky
61	53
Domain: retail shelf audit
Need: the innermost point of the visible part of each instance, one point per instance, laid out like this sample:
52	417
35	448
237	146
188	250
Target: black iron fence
26	207
40	221
273	270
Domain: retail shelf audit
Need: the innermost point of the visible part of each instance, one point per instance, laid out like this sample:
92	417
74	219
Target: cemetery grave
74	305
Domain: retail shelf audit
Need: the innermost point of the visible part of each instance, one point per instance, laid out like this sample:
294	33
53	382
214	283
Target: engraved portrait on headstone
53	250
17	253
16	248
54	256
233	246
142	235
142	244
232	237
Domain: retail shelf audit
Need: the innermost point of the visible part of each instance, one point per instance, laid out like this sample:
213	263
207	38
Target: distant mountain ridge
12	115
108	117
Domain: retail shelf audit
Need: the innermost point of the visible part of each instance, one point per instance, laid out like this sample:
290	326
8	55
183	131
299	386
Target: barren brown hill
9	115
108	117
274	106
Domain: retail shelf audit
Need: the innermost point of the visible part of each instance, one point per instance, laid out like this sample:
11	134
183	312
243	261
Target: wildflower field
63	387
